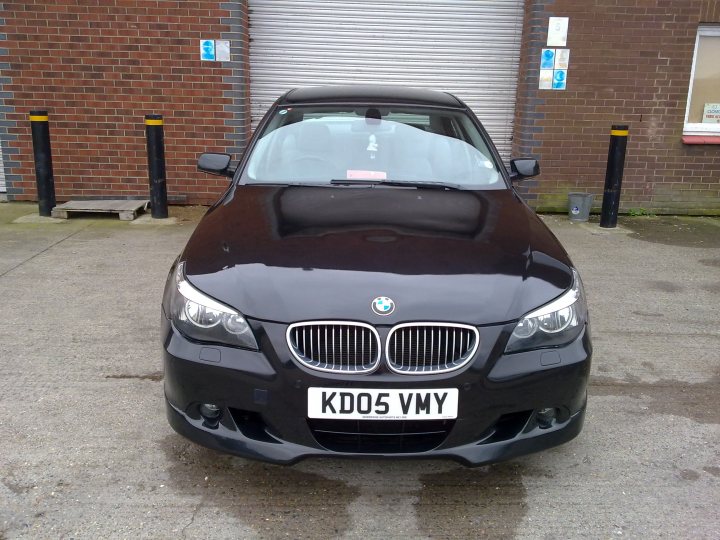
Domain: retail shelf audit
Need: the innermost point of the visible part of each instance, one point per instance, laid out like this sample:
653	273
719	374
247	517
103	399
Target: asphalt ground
86	452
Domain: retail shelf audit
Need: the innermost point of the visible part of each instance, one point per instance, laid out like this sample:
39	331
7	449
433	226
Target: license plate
385	404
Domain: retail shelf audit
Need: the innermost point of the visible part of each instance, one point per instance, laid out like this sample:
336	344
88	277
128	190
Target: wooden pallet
126	210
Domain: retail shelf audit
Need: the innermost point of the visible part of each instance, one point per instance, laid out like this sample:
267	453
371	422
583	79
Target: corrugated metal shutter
468	47
2	171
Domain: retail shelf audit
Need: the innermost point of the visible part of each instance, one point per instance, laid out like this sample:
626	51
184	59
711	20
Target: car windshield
320	145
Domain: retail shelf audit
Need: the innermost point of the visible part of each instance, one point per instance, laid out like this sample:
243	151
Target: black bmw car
371	284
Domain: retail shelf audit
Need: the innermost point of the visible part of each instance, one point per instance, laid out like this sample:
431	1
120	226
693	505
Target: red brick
99	67
630	62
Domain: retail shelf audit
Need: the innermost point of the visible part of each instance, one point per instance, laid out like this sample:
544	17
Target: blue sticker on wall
547	59
560	79
207	49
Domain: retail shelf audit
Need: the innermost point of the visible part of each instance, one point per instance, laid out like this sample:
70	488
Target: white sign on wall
553	69
562	58
554	63
215	50
222	50
711	113
558	31
546	79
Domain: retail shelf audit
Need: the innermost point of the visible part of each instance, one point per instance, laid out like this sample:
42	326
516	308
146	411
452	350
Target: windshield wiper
288	184
394	183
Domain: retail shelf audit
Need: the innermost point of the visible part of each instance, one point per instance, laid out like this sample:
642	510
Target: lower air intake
380	436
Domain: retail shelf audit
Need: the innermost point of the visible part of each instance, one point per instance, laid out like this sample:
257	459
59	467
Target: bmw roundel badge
383	305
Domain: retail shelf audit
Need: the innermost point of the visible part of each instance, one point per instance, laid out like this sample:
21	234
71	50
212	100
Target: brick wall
99	67
630	62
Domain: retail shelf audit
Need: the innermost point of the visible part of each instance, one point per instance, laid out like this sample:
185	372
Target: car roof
369	94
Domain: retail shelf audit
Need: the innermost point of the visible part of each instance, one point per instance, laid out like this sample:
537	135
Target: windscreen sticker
372	144
353	174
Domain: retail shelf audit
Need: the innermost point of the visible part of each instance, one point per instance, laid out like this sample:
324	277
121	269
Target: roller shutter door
468	47
2	171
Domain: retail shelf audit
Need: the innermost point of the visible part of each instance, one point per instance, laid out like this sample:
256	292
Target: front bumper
262	397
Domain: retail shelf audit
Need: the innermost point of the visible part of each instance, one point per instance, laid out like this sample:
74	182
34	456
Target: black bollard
613	176
156	165
43	161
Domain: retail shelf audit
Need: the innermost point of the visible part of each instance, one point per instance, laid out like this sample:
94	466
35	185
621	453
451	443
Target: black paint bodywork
283	254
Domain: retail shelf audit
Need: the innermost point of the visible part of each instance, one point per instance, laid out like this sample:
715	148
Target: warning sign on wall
553	69
711	113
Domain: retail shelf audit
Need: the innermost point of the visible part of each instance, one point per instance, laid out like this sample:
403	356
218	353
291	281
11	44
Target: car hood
301	253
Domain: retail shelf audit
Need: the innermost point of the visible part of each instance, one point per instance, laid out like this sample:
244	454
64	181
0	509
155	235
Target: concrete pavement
86	452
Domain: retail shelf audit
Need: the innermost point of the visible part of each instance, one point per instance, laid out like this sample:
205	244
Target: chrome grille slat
447	333
337	346
432	347
425	348
417	346
312	348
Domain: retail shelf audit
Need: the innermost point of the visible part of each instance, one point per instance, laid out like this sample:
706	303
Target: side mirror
218	164
521	168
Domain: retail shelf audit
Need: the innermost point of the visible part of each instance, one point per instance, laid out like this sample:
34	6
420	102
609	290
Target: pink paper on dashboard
366	175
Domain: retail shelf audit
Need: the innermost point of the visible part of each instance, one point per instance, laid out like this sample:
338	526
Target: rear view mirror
521	168
216	164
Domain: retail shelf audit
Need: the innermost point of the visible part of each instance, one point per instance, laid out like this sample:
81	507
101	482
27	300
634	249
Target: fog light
545	417
210	411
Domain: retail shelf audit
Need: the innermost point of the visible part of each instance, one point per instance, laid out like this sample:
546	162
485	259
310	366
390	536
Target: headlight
554	324
200	317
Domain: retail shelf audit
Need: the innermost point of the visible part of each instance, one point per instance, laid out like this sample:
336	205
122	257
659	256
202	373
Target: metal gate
470	48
